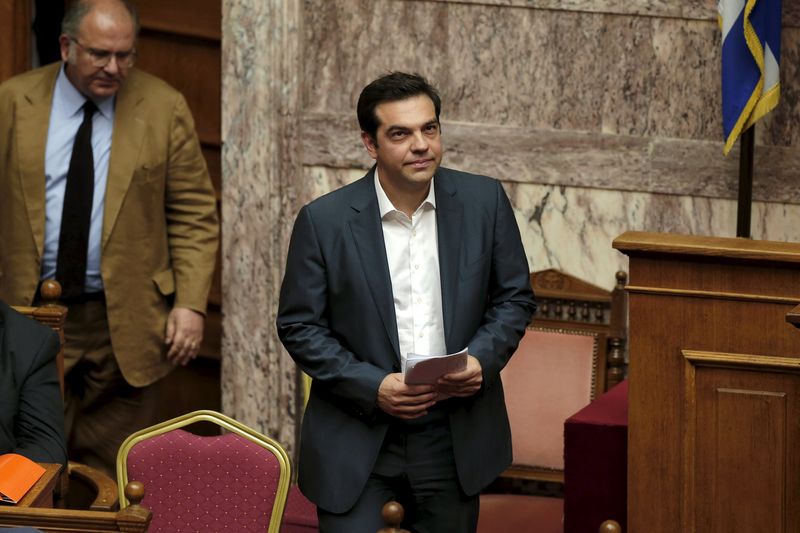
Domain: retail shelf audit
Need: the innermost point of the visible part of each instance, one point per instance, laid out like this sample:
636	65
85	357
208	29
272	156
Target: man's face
408	144
104	34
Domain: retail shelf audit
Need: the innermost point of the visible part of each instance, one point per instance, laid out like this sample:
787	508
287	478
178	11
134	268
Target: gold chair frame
228	424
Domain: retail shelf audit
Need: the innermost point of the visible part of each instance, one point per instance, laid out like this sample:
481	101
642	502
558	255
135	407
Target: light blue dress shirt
66	117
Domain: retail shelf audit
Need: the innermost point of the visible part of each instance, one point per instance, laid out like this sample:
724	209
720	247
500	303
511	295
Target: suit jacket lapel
449	214
368	235
32	122
126	143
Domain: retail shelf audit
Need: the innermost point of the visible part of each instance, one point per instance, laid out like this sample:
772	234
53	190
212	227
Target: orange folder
17	475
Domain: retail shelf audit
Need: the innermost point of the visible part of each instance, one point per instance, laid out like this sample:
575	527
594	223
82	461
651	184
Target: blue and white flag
751	54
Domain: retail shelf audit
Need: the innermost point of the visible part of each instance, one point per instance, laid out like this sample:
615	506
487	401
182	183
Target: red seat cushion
300	515
509	513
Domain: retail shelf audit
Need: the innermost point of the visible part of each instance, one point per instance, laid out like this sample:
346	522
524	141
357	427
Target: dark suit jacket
31	410
336	318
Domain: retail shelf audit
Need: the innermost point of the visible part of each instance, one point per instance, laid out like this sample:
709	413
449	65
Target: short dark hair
78	9
391	88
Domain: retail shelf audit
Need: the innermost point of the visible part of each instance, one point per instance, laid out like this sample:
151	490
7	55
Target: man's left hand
464	383
184	335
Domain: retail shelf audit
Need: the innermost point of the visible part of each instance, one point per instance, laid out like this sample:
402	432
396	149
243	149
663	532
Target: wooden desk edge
638	242
41	494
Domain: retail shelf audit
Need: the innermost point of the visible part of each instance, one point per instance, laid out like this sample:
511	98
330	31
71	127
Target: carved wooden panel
193	67
196	18
564	301
739	430
713	437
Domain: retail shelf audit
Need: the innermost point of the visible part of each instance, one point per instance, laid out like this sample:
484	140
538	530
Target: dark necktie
73	241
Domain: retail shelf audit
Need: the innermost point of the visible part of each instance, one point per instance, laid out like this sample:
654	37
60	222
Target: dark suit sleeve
304	329
510	301
39	427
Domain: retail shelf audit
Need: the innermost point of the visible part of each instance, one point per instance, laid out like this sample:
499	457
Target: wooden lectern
714	404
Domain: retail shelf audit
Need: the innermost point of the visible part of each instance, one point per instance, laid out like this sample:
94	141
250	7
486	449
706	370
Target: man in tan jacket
103	186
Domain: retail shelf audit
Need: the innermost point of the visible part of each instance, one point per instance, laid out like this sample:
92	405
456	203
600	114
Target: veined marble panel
682	9
262	171
572	228
576	159
348	43
536	68
322	180
686	9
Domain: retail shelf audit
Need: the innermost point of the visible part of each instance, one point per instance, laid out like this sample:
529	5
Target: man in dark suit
412	258
31	410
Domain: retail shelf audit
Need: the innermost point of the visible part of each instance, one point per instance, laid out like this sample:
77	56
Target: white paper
426	369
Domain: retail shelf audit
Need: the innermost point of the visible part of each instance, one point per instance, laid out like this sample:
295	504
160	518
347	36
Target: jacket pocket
148	173
165	282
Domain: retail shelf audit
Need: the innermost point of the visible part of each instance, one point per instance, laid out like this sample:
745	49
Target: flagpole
746	149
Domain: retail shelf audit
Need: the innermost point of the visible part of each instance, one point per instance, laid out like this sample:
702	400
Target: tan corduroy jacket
160	228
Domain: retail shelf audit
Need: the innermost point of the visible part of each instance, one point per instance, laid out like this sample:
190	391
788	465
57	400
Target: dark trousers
416	468
102	409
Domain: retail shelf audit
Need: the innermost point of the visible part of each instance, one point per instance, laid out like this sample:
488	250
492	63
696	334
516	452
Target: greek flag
751	54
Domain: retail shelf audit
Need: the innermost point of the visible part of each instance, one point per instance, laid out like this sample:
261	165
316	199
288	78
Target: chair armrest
106	488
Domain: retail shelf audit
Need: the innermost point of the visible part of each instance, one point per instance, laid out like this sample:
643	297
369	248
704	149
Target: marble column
261	186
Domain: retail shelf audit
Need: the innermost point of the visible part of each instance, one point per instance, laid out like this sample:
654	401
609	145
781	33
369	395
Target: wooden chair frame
53	315
134	519
572	306
228	424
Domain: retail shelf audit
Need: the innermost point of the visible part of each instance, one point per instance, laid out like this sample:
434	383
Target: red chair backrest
198	483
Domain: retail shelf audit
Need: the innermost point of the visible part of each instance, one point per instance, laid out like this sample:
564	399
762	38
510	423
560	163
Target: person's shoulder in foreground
32	413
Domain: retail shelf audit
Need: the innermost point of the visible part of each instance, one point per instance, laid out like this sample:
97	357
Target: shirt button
416	267
414	233
420	335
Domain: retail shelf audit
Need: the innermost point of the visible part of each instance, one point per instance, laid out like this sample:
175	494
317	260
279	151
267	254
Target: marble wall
564	101
261	167
599	116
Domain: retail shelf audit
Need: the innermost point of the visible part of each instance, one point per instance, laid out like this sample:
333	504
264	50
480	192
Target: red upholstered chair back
572	350
551	376
237	481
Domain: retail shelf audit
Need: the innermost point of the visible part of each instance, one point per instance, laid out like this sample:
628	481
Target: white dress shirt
66	116
413	255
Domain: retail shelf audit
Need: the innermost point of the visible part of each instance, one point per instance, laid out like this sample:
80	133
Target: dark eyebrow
397	127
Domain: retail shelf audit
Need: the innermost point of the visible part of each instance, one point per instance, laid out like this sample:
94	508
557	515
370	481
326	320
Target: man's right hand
405	401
